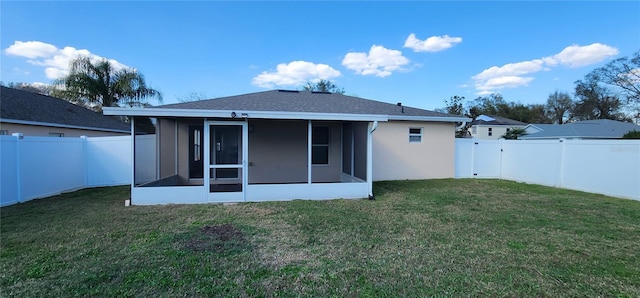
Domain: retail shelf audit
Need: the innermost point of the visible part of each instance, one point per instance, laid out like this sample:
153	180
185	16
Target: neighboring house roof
589	129
496	120
300	103
23	107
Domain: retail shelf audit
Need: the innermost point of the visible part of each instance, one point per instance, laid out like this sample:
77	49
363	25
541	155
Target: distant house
490	127
283	145
34	114
588	129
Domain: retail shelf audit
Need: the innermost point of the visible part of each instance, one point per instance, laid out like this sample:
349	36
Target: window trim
316	145
490	131
414	134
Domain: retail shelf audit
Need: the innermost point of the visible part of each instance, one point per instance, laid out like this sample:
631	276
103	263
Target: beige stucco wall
43	131
277	151
394	158
482	131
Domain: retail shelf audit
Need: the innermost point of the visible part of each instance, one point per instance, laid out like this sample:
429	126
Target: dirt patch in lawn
218	238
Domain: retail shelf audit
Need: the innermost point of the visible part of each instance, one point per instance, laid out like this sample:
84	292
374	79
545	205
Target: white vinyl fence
35	167
610	167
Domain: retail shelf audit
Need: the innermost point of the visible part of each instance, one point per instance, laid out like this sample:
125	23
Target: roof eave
568	137
163	112
429	118
36	123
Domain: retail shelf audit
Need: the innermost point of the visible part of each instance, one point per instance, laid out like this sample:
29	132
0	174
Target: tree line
608	92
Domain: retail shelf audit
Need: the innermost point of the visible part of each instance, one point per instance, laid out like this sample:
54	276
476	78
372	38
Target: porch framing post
309	147
245	158
371	128
206	179
133	158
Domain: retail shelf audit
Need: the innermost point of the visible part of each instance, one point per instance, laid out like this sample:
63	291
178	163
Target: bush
634	134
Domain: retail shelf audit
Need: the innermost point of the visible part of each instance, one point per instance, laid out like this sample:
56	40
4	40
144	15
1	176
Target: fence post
19	137
473	159
501	157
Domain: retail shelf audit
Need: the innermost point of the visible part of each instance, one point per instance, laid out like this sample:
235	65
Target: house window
195	152
4	132
197	145
474	130
415	135
320	145
490	132
56	134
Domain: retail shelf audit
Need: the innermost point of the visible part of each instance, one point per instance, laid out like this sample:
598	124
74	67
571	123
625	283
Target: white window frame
490	131
413	135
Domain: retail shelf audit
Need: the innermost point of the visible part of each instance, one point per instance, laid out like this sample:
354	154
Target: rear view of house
491	127
283	145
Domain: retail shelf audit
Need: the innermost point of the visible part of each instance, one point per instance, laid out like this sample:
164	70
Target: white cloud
511	75
576	56
380	61
56	61
431	44
31	49
295	73
504	82
40	84
511	69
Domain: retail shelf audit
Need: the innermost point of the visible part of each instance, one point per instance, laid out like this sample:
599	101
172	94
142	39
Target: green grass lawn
449	237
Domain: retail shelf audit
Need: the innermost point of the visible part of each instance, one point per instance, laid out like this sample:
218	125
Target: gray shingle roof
589	129
304	102
32	107
497	121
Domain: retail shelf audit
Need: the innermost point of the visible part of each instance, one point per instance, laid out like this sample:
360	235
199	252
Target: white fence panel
35	167
486	161
108	161
9	188
610	167
464	158
603	166
49	166
532	161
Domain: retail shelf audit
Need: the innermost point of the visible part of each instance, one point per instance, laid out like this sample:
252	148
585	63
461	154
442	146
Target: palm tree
97	84
514	133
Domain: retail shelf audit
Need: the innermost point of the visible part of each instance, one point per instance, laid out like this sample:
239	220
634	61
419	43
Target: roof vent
288	91
321	92
399	104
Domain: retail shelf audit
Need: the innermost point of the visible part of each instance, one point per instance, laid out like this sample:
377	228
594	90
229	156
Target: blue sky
417	53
